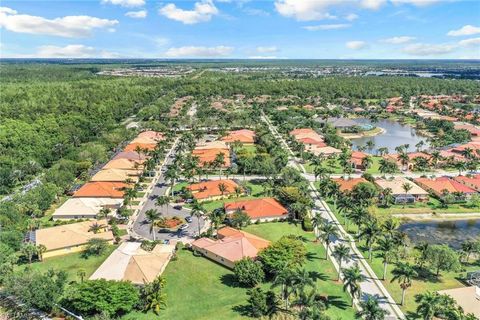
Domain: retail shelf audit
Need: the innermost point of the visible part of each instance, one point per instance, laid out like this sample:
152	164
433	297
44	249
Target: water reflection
452	233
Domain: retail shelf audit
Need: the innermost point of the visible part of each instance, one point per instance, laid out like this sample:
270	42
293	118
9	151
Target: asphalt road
142	228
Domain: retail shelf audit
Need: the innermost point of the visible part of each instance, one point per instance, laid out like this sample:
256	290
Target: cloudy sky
322	29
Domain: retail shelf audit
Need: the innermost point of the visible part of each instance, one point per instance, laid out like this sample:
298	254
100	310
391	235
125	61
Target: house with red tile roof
101	189
232	245
208	152
471	181
244	136
347	185
474	130
154	135
411	156
210	190
133	146
262	209
357	159
438	185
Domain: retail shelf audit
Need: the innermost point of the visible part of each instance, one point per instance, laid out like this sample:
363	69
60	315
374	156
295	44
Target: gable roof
473	180
101	189
157	136
118	175
444	183
233	244
85	206
122	164
133	145
131	155
69	235
244	136
258	208
208	189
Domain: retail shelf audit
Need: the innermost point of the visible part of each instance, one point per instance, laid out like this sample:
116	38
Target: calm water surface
396	134
452	233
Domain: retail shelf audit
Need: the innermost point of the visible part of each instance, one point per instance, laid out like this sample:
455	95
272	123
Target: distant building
343	124
117	175
468	298
471	181
349	184
438	185
244	136
101	189
208	152
232	245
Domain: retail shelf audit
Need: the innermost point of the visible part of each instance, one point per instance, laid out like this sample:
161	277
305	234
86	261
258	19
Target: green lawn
252	149
430	206
198	288
375	167
335	167
71	263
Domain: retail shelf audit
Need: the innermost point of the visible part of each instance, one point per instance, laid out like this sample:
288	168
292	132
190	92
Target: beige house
415	193
85	208
69	238
117	175
130	262
466	297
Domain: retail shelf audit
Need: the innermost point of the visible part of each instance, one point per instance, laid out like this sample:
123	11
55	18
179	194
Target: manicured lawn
247	149
179	186
335	168
71	263
432	205
375	167
423	283
198	288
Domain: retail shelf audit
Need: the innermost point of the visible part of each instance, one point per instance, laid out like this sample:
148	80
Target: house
101	189
68	238
470	181
244	136
326	151
416	193
232	245
132	156
210	190
468	298
154	135
263	209
208	152
144	146
438	185
85	208
124	164
411	159
129	262
357	159
348	184
117	175
343	124
309	138
474	130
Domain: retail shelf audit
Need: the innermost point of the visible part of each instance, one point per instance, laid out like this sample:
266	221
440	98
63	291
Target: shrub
248	272
307	224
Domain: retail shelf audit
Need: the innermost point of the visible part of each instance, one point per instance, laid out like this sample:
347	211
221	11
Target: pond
395	134
452	233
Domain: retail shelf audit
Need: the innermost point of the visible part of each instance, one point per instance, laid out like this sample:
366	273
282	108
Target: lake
452	233
395	134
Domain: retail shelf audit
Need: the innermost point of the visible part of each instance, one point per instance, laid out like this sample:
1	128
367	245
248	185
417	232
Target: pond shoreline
371	133
438	217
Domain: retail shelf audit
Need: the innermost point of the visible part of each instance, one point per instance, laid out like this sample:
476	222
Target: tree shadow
426	275
311	256
243	310
229	280
337	301
315	275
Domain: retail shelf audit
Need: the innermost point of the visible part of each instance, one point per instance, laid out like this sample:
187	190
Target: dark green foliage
248	272
307	224
287	252
95	246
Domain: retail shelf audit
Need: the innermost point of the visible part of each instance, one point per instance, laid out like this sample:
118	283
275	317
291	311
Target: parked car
184	227
177	207
188	219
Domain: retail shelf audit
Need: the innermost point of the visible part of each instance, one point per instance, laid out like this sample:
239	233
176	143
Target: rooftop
208	189
349	184
101	189
258	208
396	185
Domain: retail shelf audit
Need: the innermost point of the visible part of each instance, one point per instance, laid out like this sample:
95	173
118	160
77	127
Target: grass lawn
198	288
71	263
432	205
375	167
425	282
335	167
252	149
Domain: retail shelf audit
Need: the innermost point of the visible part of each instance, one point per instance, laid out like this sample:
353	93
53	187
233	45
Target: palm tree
197	211
386	246
370	232
468	247
404	160
217	216
435	158
358	215
406	187
403	273
370	144
387	197
238	191
96	227
41	249
325	232
371	310
171	175
285	279
428	304
222	188
29	250
367	162
154	296
460	166
152	216
341	253
163	201
81	273
103	213
343	206
352	278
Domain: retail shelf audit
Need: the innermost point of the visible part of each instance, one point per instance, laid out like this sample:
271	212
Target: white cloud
71	51
202	12
351	17
68	26
327	27
356	45
398	40
467	30
470	42
309	10
199	52
425	49
137	14
418	3
126	3
267	49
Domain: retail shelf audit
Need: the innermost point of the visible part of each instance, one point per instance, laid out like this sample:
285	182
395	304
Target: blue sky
310	29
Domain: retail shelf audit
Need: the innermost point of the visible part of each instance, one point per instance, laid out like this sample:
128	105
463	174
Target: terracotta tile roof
69	235
348	185
208	189
443	183
474	130
101	189
144	140
311	141
124	164
208	154
301	131
233	245
133	146
131	155
473	181
244	136
258	208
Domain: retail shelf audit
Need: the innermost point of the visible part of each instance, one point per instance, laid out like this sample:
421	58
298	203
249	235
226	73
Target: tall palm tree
171	175
357	215
386	246
198	212
404	160
152	216
406	187
285	279
103	213
428	304
222	187
371	310
326	231
163	201
404	274
154	295
341	253
217	216
352	278
367	162
370	232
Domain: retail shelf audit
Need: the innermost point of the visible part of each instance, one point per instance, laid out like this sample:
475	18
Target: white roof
85	206
396	185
